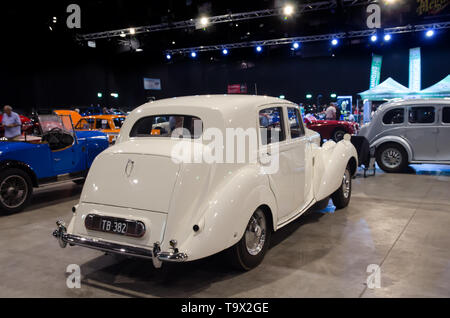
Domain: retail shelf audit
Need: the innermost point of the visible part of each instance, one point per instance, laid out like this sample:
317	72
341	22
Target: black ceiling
28	24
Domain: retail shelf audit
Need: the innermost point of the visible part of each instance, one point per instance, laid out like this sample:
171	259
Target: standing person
12	123
330	113
338	112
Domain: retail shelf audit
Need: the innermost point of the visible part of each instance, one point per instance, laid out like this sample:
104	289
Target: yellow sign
427	7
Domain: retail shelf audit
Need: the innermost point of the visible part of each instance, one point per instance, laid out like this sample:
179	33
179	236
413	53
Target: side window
446	115
394	116
271	125
84	124
101	123
421	115
296	126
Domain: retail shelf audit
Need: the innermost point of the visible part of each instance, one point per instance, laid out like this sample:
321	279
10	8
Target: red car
27	125
331	129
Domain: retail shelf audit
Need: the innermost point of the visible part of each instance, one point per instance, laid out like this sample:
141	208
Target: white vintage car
148	196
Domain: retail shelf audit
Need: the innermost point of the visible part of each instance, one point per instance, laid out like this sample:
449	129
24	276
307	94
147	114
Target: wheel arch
353	165
395	140
7	164
269	215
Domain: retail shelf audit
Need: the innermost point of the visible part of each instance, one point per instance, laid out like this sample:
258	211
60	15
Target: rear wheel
15	190
250	250
342	196
392	157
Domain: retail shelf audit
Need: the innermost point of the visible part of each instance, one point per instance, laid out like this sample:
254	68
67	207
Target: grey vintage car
410	131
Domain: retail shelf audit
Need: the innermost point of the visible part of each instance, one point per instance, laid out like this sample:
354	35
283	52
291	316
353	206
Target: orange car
109	124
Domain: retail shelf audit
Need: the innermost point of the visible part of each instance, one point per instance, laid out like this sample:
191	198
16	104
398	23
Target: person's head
77	110
7	109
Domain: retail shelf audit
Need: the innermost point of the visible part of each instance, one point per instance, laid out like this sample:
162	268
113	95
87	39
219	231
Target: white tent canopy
440	89
388	89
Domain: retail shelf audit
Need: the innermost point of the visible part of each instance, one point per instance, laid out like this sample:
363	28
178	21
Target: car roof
419	101
217	102
111	116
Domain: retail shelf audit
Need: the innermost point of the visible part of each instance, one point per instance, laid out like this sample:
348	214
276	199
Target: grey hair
7	107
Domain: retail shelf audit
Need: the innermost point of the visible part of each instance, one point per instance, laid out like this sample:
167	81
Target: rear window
178	126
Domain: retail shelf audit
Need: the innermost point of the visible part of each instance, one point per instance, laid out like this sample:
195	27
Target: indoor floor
398	221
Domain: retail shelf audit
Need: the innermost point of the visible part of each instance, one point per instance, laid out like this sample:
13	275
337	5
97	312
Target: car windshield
54	122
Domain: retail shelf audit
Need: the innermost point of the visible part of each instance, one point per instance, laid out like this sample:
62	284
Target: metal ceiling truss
232	17
311	38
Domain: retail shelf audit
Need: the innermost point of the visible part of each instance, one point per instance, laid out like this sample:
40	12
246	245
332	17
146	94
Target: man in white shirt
12	123
330	113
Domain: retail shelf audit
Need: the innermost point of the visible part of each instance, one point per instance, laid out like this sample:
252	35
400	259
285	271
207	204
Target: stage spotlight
308	96
139	50
334	42
295	45
373	38
429	33
204	21
288	10
387	37
132	31
258	48
122	34
193	54
224	51
168	56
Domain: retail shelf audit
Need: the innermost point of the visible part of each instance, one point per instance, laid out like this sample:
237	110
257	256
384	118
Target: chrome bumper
155	254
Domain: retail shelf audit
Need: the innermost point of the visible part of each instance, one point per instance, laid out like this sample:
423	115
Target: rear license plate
115	225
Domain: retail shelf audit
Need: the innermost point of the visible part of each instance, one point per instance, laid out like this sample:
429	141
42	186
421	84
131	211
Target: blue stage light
429	33
168	56
295	45
387	37
224	51
373	38
193	54
258	48
334	42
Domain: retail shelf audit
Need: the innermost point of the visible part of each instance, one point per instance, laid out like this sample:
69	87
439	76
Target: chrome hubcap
255	234
391	158
346	182
13	191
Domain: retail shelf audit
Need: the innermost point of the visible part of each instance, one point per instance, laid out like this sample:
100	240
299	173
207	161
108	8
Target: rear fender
330	162
225	214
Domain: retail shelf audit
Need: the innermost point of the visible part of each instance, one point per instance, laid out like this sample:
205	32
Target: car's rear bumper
155	253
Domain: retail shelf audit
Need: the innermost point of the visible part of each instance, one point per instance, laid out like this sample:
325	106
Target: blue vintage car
53	153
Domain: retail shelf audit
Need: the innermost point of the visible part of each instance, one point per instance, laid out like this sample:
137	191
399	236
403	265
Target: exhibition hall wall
71	76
